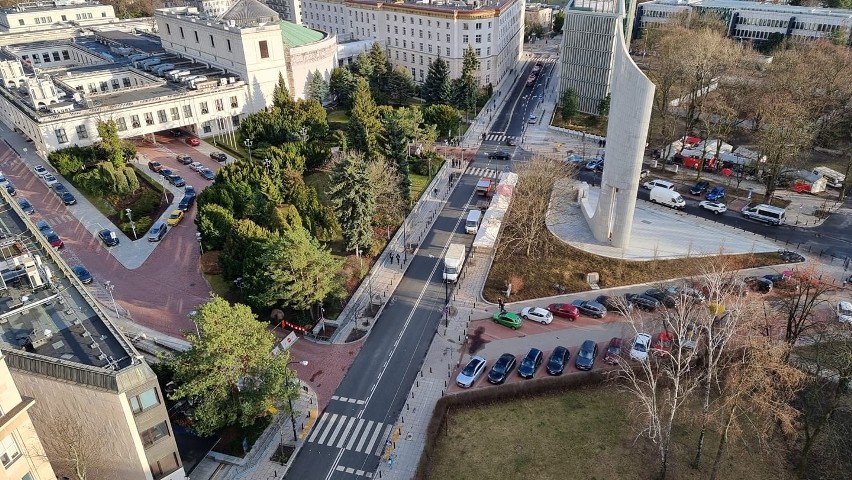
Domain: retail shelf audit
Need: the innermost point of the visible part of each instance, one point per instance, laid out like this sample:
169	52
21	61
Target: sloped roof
297	35
249	12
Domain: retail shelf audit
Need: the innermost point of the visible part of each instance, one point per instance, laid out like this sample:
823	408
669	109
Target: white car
641	344
844	311
196	166
50	180
467	377
40	171
714	207
537	314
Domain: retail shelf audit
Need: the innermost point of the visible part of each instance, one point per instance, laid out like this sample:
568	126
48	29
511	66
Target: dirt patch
355	334
282	454
210	263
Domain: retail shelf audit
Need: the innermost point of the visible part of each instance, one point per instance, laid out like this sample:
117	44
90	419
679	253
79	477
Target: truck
669	198
483	186
453	262
834	178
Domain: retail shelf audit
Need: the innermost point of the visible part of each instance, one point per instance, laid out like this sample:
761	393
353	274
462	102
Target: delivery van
765	213
669	198
471	225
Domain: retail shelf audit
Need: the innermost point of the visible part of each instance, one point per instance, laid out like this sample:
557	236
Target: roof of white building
249	12
298	35
759	6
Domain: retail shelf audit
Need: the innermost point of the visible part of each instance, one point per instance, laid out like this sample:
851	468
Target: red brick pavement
327	365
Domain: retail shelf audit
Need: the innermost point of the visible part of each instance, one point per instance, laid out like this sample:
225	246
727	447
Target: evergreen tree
445	118
281	98
341	85
111	143
558	21
469	63
437	89
317	88
570	104
400	85
603	106
364	124
362	66
214	224
353	201
396	149
465	92
379	61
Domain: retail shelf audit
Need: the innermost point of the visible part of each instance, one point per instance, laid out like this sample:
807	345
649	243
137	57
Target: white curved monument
629	116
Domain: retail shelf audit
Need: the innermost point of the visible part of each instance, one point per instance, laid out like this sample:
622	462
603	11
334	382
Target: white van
765	213
471	225
667	197
833	178
658	183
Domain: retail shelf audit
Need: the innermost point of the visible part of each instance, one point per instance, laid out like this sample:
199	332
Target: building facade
539	14
753	21
290	10
21	452
43	15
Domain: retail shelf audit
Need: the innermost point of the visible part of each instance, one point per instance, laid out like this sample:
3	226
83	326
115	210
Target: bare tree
800	299
525	225
73	449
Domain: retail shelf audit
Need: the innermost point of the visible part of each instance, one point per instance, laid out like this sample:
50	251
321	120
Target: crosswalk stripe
364	437
384	435
355	434
373	439
328	429
345	432
336	431
318	427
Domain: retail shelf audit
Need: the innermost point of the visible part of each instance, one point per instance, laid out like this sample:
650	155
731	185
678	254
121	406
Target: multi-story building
290	10
43	15
92	390
539	14
753	21
21	451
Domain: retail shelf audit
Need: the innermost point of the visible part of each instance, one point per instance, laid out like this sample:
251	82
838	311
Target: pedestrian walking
398	262
435	191
390	257
501	304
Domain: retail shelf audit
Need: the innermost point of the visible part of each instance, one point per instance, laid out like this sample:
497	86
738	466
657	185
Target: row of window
478	51
104	85
47	57
362	17
197	38
763	22
48	20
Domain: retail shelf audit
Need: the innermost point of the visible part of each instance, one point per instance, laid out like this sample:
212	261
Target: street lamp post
290	403
129	213
267	163
109	288
248	143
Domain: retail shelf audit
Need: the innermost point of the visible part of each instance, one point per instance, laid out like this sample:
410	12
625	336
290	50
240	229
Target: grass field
584	434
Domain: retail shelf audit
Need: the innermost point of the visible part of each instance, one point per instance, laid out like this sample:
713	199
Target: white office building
44	15
753	21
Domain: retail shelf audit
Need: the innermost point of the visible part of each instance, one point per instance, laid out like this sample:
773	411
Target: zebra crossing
350	433
496	137
484	172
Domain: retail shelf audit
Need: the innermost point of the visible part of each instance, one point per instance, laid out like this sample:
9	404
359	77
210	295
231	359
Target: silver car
467	377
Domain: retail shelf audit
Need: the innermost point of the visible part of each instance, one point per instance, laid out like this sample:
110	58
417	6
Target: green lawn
338	116
586	433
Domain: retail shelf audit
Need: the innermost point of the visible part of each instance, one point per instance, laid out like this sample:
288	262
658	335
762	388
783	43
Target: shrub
146	204
143	223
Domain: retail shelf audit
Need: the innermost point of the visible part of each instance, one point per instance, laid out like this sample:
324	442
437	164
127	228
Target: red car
564	310
663	345
613	351
193	141
154	166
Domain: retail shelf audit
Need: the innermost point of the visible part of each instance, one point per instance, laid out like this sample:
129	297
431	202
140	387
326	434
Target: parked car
40	171
564	310
643	302
499	155
590	308
176	132
613	304
48	233
192	141
777	278
189	190
26	206
690	336
218	156
501	369
529	365
715	207
508	319
613	351
165	172
586	355
196	166
511	141
557	360
49	180
176	180
68	198
663	345
699	188
154	166
474	368
82	274
58	189
758	284
109	237
184	159
844	311
157	231
10	189
186	202
208	174
592	165
537	314
716	194
662	296
175	217
4	182
639	350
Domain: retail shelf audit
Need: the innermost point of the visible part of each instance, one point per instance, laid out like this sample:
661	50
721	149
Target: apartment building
754	21
290	10
91	389
43	15
21	452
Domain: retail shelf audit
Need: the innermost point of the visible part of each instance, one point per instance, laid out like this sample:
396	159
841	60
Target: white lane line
365	436
343	436
327	430
355	434
318	427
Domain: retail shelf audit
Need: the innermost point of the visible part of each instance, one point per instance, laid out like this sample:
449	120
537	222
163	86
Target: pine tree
570	104
396	149
341	84
379	60
364	124
353	201
437	89
281	98
470	63
317	87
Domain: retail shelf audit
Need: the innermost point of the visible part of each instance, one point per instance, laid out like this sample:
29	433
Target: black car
643	302
218	156
186	202
165	172
184	159
26	206
759	284
590	308
501	369
699	188
68	198
189	190
208	174
614	304
82	274
775	278
176	132
109	237
176	180
556	362
530	363
499	155
586	355
662	296
11	189
59	189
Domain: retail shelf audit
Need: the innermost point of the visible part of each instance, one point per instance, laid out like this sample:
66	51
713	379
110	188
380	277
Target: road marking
373	440
336	431
328	429
318	427
346	431
355	434
380	447
364	438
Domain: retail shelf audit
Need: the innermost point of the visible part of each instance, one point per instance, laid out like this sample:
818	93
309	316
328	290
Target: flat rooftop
55	319
43	6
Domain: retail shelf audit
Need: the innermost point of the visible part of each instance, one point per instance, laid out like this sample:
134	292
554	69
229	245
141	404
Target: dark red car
154	166
564	310
664	344
193	141
613	351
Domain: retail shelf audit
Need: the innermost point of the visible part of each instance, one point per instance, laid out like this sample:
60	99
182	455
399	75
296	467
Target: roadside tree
353	201
389	184
801	298
445	118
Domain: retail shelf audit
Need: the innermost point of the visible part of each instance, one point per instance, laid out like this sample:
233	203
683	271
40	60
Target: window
187	111
234	103
175	113
20	21
235	121
46	57
56	57
478	52
168	29
181	32
165	465
116	84
489	37
161	114
36	58
82	133
196	36
126	82
229	44
149	119
465	39
144	401
28	475
448	51
104	87
264	49
61	136
220	105
212	43
479	26
154	433
134	121
9	451
206	127
465	26
120	124
204	109
478	39
448	37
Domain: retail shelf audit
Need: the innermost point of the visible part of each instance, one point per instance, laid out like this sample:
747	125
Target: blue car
82	274
716	194
585	358
26	206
